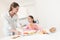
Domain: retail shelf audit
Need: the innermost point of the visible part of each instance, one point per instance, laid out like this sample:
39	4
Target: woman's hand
16	32
12	30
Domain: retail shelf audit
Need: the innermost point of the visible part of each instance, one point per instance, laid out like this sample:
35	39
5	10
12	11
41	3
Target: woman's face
30	19
15	10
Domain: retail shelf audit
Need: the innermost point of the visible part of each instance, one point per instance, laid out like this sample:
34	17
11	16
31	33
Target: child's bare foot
52	30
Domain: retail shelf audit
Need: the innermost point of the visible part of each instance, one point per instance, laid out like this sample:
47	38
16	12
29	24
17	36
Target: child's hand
44	32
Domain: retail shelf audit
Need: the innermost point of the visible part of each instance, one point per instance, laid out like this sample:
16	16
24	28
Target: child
33	25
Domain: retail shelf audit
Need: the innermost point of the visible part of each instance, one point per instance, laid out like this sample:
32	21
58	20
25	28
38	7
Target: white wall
48	12
2	11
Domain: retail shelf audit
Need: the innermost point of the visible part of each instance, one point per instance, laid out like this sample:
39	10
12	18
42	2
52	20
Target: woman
10	22
33	25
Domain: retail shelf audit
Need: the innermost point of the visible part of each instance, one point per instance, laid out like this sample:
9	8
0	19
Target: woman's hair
14	4
32	18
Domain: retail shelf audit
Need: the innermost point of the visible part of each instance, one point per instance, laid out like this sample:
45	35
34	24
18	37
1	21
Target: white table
51	36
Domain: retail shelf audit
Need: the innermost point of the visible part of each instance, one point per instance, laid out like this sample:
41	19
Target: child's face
30	19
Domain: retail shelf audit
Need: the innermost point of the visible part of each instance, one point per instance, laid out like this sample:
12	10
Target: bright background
47	11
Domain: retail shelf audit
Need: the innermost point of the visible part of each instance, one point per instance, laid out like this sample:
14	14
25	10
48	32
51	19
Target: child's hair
32	18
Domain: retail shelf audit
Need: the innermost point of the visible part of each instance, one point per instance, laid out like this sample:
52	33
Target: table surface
51	36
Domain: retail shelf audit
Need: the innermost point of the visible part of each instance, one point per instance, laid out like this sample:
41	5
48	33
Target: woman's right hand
12	30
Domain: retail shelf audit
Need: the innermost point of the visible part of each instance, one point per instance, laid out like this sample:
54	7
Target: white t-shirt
9	23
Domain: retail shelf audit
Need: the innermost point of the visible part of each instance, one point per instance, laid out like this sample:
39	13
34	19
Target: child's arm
42	30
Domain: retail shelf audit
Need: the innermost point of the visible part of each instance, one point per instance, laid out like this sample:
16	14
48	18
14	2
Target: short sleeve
39	27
